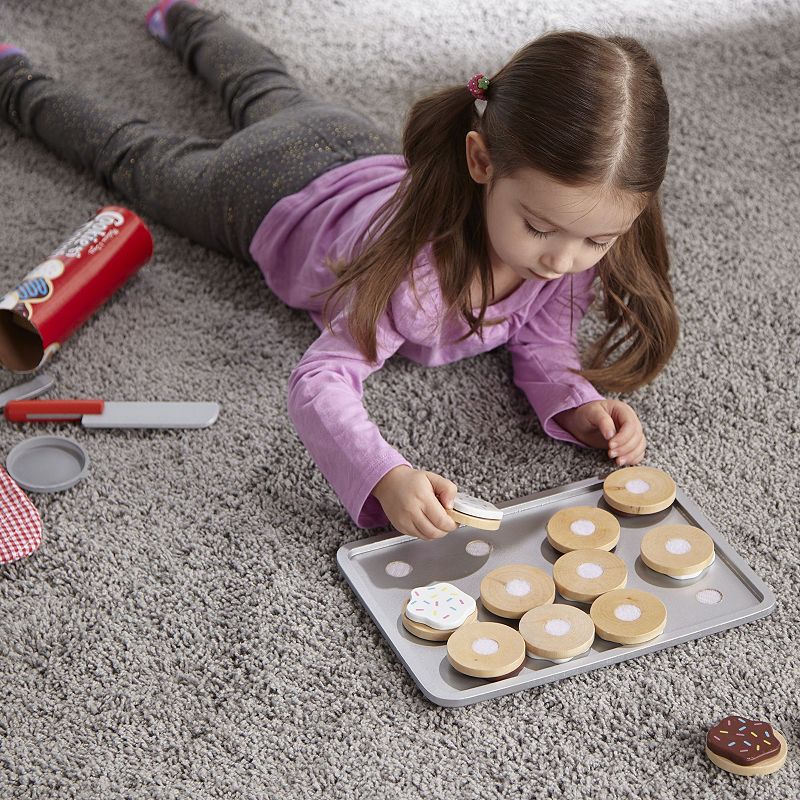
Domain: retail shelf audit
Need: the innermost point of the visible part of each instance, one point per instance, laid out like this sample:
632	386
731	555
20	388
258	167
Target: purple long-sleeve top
326	387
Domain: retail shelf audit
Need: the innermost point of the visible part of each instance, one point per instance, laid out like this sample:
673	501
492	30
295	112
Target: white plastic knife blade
153	415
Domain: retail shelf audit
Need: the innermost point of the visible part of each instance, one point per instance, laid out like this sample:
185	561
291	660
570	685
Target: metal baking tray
522	539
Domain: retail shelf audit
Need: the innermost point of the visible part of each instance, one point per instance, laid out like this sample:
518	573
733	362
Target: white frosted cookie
680	551
433	612
556	632
584	575
628	616
513	589
476	513
582	528
639	490
486	650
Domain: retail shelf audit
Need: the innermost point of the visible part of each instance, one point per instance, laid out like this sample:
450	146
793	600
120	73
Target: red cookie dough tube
59	295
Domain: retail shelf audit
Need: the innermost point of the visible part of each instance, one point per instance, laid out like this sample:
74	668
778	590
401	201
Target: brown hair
584	110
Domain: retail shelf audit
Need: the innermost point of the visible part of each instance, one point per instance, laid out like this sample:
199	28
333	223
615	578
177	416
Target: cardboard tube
60	294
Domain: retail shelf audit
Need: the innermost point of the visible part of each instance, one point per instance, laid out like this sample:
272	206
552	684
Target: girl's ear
478	162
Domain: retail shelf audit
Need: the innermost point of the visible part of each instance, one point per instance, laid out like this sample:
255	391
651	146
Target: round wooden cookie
485	649
628	616
556	632
762	768
423	631
582	528
477	513
513	589
584	575
639	490
474	522
680	551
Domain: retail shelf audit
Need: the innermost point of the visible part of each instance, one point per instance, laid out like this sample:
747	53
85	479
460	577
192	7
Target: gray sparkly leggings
215	192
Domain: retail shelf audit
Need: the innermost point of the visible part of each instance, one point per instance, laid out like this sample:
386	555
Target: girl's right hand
414	500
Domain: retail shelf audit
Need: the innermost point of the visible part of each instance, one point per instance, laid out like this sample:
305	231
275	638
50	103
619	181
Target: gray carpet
145	651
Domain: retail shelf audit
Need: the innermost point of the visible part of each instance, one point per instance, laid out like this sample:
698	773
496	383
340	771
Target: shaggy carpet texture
146	650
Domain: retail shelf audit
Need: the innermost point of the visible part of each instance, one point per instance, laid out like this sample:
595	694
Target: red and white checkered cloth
20	523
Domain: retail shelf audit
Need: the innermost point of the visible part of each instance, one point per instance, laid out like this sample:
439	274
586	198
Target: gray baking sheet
522	538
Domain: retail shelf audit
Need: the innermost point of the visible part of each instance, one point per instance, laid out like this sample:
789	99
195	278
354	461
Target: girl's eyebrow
544	219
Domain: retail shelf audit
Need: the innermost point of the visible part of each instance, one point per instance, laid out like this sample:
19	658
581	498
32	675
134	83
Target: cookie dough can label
60	294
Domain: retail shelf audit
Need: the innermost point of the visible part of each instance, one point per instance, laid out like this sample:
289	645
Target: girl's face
541	229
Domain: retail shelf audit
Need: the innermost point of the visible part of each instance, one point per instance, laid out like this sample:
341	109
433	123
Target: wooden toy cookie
584	575
628	616
556	632
513	589
582	528
486	650
433	612
680	551
746	747
639	490
472	511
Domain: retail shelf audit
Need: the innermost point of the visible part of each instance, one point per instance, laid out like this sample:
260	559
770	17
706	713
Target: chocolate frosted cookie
746	746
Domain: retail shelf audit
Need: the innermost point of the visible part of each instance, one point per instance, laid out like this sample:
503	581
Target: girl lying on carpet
510	194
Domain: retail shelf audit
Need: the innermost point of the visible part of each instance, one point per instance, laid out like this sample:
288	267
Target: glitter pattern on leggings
215	192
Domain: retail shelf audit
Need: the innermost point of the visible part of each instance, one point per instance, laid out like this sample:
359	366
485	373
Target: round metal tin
47	463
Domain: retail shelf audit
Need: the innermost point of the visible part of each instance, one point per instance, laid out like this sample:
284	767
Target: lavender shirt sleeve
543	350
325	404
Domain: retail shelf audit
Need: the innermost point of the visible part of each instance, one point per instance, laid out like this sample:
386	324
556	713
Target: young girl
512	194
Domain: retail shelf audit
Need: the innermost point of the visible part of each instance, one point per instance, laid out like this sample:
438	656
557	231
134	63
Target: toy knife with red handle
100	414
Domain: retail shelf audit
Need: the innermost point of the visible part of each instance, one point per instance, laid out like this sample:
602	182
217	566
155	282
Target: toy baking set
573	579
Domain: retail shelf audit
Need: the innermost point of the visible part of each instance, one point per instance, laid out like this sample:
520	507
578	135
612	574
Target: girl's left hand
607	424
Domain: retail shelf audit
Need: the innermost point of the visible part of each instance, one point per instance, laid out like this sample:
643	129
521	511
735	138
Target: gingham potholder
20	523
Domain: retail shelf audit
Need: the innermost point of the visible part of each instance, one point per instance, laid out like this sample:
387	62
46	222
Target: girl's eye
536	232
544	234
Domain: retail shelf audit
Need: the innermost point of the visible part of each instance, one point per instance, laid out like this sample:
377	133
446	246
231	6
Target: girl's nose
558	259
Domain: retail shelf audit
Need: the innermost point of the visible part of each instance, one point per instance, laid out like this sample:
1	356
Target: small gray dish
47	463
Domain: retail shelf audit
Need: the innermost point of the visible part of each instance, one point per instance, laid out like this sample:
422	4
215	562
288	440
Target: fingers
628	434
633	452
438	519
601	419
425	528
627	446
443	488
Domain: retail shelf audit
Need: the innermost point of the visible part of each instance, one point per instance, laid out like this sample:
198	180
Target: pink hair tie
478	85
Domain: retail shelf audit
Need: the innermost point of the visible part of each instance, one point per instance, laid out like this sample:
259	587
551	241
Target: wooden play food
639	490
582	528
511	590
556	632
746	746
476	513
584	575
486	649
628	616
423	631
680	551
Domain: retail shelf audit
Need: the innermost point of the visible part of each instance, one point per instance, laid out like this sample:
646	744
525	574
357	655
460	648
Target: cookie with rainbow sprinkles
433	612
746	746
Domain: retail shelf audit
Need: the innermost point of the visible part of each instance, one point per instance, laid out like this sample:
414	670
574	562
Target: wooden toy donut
433	612
476	513
746	746
680	551
513	589
628	616
486	650
582	528
584	575
556	632
639	490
